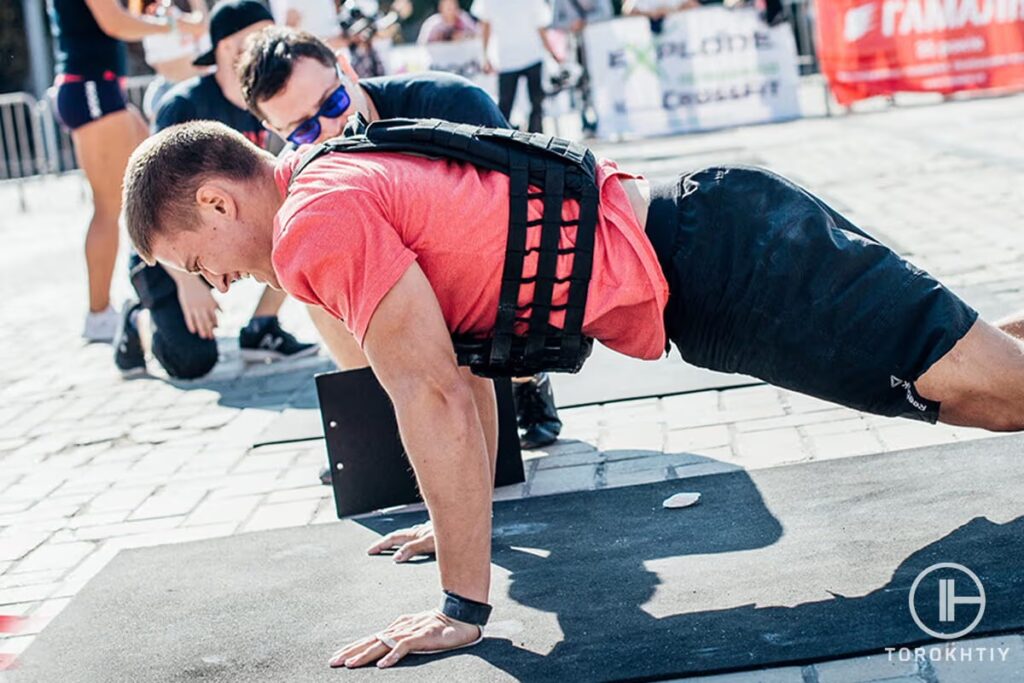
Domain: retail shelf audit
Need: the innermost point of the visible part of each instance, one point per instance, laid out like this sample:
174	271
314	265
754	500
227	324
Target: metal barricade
22	147
32	140
801	17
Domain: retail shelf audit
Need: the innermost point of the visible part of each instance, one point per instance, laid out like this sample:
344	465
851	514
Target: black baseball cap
228	17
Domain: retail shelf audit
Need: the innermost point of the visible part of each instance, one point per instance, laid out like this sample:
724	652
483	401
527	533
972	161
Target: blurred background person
362	26
572	16
89	57
319	17
515	40
170	55
656	10
183	312
451	23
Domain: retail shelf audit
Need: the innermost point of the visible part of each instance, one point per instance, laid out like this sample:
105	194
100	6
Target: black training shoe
129	356
536	412
325	476
264	340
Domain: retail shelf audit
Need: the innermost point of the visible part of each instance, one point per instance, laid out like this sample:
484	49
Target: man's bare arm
410	350
487	409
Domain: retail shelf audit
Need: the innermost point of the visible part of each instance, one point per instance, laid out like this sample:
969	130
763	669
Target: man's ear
346	66
214	197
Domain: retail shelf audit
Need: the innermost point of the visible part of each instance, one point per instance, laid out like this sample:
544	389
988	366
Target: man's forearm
445	440
487	409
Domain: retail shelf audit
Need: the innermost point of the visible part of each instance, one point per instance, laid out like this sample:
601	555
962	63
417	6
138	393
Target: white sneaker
100	327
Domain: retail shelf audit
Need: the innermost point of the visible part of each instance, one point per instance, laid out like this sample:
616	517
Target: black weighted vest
561	170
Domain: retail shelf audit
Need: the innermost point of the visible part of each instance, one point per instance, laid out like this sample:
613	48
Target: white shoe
100	327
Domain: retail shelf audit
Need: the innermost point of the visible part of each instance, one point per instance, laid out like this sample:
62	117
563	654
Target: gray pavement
92	464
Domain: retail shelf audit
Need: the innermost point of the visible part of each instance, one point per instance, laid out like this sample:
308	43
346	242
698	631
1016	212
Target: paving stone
16	547
637	435
1009	669
84	572
167	504
40	617
789	674
546	460
28	593
913	435
51	556
325	513
771	447
646	463
282	515
11	648
696	438
142	526
794	420
116	499
95	519
858	669
845	426
217	510
704	469
32	578
302	493
255	462
830	446
180	535
560	480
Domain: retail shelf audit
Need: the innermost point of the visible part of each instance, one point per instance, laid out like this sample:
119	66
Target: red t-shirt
353	223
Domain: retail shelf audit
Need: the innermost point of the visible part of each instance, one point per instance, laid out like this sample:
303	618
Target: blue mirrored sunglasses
333	107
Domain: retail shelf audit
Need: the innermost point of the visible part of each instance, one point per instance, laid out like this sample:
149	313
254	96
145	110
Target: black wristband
463	609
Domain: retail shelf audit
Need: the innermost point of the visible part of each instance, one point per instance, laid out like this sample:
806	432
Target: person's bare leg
270	303
339	341
980	382
103	148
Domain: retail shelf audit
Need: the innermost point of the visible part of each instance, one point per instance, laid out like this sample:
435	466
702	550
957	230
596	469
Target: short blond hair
167	169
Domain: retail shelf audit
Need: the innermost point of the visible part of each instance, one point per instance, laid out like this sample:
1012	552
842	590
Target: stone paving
91	464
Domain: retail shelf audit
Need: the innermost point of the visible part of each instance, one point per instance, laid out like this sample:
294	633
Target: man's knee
189	358
980	382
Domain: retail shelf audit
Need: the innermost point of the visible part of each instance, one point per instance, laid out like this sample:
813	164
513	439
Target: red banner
879	47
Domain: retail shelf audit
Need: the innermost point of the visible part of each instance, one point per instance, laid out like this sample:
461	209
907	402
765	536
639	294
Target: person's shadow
628	590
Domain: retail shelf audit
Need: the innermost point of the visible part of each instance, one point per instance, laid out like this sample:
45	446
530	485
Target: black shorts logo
913	398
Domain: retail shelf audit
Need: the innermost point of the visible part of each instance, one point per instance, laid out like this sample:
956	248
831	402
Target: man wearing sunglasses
183	312
305	93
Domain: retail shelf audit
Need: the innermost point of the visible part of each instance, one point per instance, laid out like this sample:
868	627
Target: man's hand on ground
426	631
198	306
416	540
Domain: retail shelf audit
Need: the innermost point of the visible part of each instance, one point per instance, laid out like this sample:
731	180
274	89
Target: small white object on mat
681	500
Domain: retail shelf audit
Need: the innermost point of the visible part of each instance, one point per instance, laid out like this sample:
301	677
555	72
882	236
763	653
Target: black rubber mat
790	564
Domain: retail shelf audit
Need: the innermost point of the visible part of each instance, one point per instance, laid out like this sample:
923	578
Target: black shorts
767	280
80	101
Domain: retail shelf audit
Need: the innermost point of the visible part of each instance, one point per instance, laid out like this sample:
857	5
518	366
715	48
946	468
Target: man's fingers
359	653
210	322
188	321
419	546
391	540
353	647
401	649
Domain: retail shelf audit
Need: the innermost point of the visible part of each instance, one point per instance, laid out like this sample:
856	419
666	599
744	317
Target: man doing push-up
440	244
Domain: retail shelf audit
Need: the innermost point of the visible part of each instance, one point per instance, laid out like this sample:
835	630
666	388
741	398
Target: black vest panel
539	167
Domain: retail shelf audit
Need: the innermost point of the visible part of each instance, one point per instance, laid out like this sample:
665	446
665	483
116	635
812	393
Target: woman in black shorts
90	63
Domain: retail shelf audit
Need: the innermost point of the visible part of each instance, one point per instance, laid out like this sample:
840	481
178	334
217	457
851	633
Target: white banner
709	68
464	57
